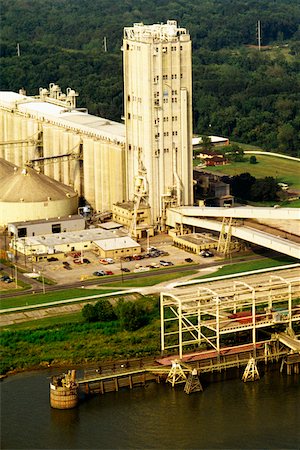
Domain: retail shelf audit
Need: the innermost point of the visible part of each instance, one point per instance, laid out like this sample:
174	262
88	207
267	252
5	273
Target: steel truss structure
191	316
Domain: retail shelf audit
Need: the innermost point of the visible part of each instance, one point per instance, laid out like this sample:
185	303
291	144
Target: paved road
106	281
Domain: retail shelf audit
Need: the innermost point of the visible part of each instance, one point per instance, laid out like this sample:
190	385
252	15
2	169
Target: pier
132	373
213	321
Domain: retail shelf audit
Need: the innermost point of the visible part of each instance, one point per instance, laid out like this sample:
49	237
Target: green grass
152	280
284	170
292	204
70	341
250	265
46	322
39	299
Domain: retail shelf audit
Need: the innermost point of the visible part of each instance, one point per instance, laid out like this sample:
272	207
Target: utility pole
259	34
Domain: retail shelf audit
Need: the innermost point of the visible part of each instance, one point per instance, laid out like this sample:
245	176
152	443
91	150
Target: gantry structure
192	316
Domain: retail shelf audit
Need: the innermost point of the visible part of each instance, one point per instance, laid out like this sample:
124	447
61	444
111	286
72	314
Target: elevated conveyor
289	341
203	218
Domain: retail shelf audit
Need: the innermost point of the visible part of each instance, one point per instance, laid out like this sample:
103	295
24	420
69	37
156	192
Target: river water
228	415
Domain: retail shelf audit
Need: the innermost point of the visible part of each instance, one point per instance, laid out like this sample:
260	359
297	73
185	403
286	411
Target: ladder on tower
224	242
140	193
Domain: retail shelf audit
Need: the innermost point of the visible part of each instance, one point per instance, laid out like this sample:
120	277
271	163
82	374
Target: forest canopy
248	95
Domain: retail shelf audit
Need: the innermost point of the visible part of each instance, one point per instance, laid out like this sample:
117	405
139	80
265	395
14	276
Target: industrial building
147	161
104	243
47	226
158	116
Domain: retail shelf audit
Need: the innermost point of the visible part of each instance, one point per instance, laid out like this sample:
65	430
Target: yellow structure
158	115
195	242
123	213
104	243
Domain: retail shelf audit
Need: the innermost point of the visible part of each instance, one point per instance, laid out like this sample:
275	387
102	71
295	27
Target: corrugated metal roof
76	119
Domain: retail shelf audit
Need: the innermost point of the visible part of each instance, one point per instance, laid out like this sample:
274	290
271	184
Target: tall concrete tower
158	116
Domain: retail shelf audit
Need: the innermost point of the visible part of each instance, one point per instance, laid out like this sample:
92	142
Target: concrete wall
45	227
18	212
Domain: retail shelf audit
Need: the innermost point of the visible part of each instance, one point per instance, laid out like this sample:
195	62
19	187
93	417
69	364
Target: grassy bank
152	280
251	265
78	342
57	296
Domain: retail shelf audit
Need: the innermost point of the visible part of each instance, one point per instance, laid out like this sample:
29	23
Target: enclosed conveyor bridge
205	217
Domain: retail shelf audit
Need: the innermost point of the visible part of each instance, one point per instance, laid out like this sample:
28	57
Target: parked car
189	260
108	272
103	261
99	273
154	266
142	269
86	261
110	260
6	279
125	269
136	257
166	263
77	261
206	254
52	258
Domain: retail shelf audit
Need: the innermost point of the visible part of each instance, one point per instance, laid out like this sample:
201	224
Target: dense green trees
131	315
246	187
239	92
102	311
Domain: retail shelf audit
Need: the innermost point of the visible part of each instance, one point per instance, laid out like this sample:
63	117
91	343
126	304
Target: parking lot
67	271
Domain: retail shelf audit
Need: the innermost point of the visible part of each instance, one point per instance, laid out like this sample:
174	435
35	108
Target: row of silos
79	150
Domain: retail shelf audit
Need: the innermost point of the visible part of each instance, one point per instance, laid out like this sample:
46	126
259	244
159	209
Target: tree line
239	92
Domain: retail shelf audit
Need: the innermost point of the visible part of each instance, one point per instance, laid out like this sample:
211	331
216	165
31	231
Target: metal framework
224	243
191	316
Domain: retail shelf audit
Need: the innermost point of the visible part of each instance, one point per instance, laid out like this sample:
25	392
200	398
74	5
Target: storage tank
64	391
26	194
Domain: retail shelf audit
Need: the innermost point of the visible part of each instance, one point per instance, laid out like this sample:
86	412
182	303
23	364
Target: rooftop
157	32
197	239
116	243
76	119
93	234
51	220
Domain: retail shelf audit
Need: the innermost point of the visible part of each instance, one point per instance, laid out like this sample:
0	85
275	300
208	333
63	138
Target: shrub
104	310
132	315
89	313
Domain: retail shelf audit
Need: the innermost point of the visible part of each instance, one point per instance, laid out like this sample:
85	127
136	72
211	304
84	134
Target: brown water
228	415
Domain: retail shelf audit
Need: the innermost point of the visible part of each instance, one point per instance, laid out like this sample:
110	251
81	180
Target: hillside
239	92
